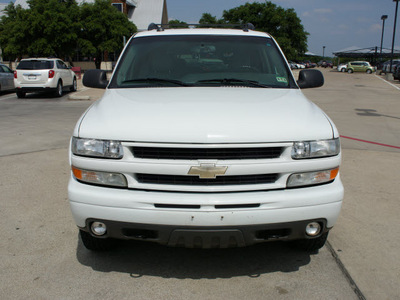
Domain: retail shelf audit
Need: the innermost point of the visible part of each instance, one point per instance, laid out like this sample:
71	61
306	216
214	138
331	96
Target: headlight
100	178
311	178
314	149
97	148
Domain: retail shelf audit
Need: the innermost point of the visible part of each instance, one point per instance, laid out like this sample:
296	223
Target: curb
77	97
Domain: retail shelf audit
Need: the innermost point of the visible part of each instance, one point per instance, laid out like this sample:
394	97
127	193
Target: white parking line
388	82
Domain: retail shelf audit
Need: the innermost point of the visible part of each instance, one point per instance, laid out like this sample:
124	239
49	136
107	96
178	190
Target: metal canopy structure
372	52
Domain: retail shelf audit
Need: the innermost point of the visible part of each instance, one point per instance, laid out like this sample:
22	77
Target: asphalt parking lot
43	258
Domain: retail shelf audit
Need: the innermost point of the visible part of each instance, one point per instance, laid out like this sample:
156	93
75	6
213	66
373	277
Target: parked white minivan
43	75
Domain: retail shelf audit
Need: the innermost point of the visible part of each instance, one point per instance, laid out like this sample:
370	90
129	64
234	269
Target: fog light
98	228
313	229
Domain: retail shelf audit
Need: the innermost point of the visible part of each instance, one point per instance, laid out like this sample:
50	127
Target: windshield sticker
281	79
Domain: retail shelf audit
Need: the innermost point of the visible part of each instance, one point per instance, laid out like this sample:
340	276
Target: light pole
394	34
383	18
323	52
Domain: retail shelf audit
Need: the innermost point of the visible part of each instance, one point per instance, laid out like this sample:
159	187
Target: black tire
312	244
74	86
59	89
96	244
369	71
21	94
343	70
349	71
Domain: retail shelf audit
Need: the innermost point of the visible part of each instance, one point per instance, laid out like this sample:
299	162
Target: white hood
204	115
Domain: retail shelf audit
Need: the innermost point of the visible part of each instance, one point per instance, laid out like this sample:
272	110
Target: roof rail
161	27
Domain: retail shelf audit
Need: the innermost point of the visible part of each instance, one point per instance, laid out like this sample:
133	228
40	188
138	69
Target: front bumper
166	217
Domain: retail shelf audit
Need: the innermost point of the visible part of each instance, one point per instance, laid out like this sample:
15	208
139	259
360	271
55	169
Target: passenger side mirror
310	79
95	79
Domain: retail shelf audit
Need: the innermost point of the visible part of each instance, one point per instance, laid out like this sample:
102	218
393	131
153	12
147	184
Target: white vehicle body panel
205	115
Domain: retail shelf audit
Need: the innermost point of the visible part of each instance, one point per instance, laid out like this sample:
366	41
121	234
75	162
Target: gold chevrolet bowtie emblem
207	171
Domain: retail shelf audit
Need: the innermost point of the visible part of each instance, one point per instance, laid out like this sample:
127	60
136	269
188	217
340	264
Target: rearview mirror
310	79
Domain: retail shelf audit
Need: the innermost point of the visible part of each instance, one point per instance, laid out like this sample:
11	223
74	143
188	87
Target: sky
335	24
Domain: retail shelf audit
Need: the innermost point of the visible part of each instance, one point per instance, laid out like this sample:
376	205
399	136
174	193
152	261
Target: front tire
96	244
312	244
349	71
369	71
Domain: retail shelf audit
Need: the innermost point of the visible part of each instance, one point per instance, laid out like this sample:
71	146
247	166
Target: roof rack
161	27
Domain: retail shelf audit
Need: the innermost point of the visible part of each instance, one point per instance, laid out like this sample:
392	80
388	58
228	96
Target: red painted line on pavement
369	142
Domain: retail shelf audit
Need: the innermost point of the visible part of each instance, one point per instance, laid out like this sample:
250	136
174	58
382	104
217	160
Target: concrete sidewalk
366	238
85	94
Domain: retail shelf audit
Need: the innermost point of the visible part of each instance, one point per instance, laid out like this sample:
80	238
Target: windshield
202	60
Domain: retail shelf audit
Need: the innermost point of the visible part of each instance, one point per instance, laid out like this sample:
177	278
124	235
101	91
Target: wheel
96	244
59	89
312	244
349	71
20	94
343	70
74	86
369	71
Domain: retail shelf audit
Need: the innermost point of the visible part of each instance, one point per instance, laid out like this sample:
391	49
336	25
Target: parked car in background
310	64
6	78
342	68
396	71
386	66
293	65
300	65
43	75
325	64
360	66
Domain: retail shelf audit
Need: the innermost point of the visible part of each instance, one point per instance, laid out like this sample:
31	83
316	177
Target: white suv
43	75
203	138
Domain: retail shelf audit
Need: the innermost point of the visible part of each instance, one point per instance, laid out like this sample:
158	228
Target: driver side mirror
95	79
310	79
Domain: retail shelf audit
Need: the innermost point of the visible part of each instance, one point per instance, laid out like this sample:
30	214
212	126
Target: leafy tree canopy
103	28
177	24
59	27
12	30
282	24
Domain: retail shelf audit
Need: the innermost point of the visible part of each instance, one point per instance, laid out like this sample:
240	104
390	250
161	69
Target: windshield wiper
232	81
177	82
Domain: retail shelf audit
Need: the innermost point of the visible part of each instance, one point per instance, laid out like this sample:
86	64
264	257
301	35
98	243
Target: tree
207	18
102	29
177	24
53	27
282	24
47	28
12	31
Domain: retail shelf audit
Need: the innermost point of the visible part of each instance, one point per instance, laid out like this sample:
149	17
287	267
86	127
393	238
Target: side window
7	69
61	65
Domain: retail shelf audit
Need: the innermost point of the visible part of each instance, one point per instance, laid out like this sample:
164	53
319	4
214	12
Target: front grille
196	181
207	153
